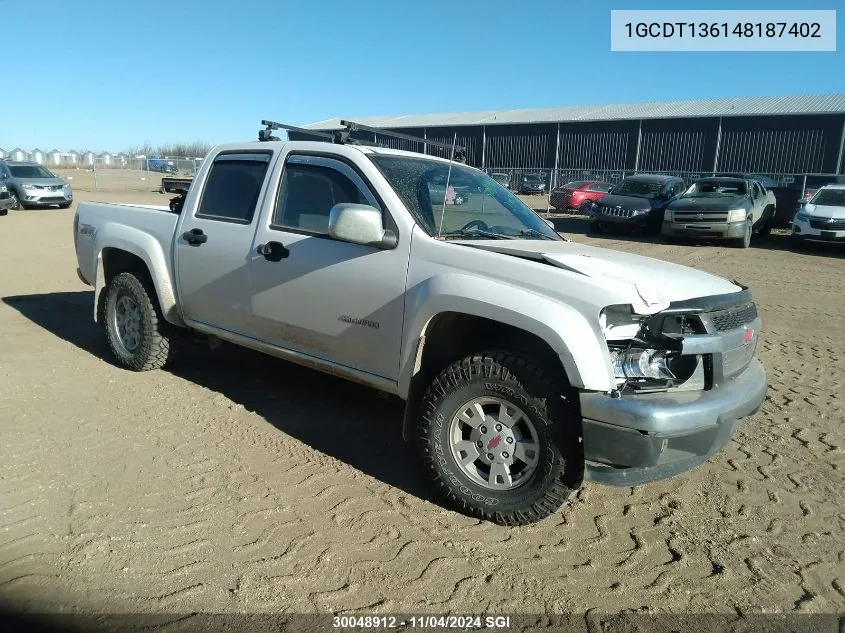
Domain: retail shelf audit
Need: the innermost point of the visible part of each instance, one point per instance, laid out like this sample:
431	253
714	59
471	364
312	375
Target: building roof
833	103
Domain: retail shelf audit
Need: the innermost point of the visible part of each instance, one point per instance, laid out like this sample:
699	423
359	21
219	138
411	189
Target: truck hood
824	211
651	284
41	182
722	203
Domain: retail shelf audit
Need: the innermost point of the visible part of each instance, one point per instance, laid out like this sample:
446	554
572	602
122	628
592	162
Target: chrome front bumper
719	230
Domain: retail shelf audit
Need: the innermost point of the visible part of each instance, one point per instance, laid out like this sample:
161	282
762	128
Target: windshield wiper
535	233
477	232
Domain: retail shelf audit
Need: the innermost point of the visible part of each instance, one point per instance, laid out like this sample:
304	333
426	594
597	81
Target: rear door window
232	187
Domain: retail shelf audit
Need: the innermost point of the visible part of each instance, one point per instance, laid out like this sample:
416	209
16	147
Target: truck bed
128	226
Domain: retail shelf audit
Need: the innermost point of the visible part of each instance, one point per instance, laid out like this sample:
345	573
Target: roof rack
344	136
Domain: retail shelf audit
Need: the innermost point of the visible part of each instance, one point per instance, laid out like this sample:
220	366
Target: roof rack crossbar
352	126
336	136
344	136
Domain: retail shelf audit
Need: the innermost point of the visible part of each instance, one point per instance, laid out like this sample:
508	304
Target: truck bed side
113	237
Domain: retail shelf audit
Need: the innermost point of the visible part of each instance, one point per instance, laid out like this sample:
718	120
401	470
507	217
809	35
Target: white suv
822	219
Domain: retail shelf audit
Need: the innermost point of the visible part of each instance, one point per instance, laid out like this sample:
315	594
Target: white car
822	219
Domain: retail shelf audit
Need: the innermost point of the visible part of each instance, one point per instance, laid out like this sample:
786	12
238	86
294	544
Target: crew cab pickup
527	362
721	208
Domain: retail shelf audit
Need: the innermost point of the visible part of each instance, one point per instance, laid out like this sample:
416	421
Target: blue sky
108	75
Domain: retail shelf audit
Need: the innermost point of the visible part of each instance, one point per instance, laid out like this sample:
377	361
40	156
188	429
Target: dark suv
637	202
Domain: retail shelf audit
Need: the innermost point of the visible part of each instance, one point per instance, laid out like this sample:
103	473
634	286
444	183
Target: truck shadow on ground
349	422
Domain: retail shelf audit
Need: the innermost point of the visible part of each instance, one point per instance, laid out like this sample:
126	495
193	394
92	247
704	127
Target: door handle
273	251
195	237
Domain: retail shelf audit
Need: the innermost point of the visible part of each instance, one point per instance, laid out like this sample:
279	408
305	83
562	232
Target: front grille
700	216
827	224
616	211
733	318
736	359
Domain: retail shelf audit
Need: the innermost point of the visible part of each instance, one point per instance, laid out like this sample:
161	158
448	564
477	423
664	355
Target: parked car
637	202
32	185
162	165
532	183
787	195
822	219
502	178
526	361
721	208
579	195
5	200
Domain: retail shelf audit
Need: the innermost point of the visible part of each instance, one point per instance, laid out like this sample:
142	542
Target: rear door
214	240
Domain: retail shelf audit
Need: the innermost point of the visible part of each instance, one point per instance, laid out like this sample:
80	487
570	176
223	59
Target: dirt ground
233	482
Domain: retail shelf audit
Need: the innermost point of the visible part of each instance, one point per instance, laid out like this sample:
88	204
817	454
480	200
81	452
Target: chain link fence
120	173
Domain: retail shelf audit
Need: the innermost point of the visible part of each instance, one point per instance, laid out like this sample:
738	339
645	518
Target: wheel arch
448	327
142	254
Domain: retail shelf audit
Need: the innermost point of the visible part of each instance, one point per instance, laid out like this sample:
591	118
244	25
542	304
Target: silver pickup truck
527	363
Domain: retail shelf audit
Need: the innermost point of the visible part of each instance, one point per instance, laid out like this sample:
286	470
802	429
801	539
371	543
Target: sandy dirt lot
233	482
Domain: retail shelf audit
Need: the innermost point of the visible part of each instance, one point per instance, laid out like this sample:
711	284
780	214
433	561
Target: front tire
136	332
745	240
499	440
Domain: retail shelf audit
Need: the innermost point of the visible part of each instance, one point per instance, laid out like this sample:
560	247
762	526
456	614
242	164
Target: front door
213	243
329	299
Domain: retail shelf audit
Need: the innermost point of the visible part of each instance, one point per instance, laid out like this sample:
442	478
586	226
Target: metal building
781	137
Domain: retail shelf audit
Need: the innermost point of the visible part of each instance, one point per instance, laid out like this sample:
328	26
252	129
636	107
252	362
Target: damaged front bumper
632	438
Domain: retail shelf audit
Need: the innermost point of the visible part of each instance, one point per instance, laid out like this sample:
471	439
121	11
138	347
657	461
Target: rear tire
488	404
136	332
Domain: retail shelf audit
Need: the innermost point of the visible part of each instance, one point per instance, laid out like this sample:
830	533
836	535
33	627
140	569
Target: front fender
578	343
150	251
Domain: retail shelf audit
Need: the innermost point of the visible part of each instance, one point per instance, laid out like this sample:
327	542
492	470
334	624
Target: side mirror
360	224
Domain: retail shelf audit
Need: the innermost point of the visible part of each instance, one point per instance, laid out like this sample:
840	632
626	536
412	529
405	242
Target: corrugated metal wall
469	137
596	145
780	144
520	146
678	145
772	145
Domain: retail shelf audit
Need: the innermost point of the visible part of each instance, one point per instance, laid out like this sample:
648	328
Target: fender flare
578	343
147	249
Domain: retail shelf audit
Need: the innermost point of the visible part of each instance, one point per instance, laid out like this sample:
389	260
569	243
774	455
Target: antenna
448	178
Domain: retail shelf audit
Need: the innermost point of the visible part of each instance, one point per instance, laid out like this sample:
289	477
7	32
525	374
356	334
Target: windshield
639	189
533	178
470	201
577	184
716	189
829	198
30	171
